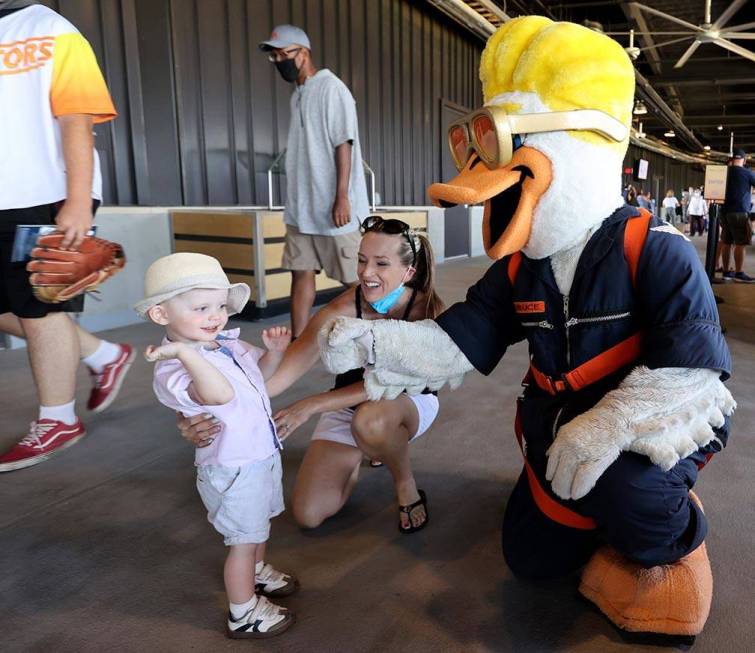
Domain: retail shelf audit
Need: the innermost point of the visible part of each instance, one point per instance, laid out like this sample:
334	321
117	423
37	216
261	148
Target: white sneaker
271	582
265	619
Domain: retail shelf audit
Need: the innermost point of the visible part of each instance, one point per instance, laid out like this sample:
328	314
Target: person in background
706	217
736	228
670	204
651	202
642	200
686	195
631	198
326	196
697	210
50	99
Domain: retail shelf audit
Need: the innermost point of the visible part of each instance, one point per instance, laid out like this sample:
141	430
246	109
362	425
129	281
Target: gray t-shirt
323	116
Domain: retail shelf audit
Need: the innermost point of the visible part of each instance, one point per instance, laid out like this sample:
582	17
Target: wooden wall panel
230	255
206	223
273	253
278	285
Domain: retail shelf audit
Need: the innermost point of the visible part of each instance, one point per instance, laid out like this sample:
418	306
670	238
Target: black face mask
288	69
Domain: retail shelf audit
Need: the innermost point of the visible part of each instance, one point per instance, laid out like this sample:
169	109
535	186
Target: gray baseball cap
284	36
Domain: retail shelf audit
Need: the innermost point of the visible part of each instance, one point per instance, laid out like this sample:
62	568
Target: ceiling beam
715	100
724	135
714	133
747	117
745	95
645	91
711	79
652	56
465	16
702	60
726	122
697	119
587	4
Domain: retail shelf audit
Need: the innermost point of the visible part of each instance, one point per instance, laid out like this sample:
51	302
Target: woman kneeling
395	271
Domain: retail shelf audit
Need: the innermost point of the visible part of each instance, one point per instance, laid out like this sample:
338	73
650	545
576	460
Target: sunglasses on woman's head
390	226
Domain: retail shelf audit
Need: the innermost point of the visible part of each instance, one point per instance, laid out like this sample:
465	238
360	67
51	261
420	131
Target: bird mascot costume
623	402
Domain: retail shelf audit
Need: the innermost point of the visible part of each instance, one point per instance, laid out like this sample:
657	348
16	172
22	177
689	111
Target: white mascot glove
346	343
398	355
584	448
384	384
665	439
665	414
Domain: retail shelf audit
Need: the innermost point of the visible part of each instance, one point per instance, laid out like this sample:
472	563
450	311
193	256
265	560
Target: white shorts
240	501
335	425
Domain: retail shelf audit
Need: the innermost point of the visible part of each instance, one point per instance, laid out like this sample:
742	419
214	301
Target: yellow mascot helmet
566	65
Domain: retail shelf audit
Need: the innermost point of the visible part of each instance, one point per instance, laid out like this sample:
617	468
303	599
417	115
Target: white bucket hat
175	274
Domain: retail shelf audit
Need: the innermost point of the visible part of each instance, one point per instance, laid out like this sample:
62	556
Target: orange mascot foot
667	599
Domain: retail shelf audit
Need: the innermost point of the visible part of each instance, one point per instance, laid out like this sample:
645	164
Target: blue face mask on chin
387	302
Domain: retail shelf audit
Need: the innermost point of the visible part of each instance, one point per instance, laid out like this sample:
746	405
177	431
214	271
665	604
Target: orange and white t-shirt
47	69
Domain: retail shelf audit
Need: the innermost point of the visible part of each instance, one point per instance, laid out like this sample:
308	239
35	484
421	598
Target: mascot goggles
393	227
493	134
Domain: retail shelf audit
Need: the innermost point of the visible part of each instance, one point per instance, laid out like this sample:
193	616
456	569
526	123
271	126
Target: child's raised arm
208	386
276	340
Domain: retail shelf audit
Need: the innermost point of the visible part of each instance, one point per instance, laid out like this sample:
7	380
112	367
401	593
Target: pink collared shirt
248	432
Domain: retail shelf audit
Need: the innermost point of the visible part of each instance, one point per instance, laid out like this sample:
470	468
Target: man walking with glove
51	94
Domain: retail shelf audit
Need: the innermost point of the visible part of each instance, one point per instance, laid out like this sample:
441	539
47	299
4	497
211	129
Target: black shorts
15	292
736	229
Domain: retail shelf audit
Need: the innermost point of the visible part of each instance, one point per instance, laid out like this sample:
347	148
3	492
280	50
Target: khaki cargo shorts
337	255
736	229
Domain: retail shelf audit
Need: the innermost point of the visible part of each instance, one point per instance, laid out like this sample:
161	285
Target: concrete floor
106	547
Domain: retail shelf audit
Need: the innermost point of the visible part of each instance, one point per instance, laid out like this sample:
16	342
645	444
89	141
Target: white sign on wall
715	183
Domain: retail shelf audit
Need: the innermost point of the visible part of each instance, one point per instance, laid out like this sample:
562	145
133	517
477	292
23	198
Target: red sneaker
46	438
107	384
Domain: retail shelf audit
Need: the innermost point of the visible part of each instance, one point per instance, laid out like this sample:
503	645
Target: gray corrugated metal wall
203	113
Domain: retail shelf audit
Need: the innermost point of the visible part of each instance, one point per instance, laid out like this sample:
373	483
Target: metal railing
270	182
366	166
275	167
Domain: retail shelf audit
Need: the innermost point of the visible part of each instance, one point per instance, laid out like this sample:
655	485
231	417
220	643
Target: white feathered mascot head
564	94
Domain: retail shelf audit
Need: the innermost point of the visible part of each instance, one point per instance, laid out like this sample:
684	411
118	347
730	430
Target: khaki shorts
736	229
337	255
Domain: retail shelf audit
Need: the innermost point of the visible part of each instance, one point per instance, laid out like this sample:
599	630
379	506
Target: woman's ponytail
424	278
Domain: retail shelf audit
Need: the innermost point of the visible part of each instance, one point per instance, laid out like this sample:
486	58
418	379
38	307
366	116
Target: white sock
64	413
105	354
258	567
238	610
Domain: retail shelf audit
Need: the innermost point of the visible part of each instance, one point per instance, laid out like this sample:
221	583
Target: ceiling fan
706	32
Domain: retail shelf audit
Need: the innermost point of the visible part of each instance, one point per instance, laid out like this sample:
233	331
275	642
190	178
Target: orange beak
510	194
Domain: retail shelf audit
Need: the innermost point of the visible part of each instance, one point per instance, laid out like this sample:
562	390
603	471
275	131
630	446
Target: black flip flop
422	501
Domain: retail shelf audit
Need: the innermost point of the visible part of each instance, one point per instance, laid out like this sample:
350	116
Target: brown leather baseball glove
59	275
